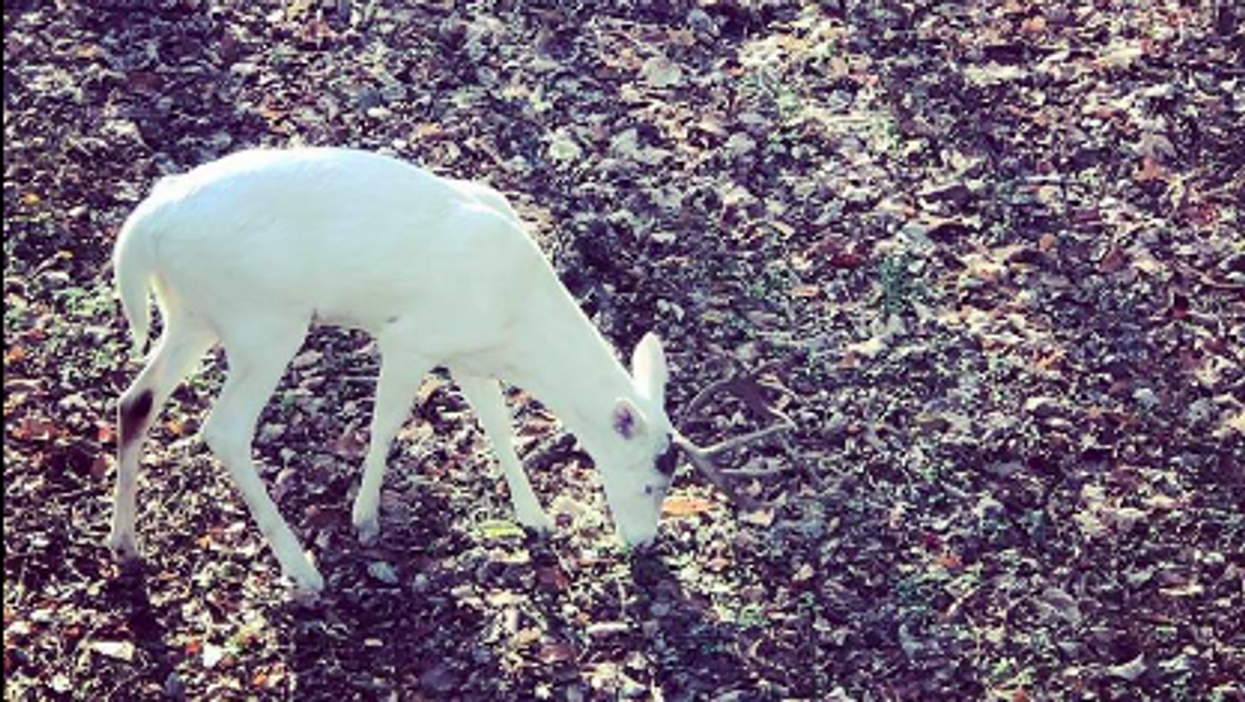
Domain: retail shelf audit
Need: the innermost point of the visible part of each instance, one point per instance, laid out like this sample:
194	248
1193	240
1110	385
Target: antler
751	391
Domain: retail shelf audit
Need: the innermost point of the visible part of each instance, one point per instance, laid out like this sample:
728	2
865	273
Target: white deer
249	251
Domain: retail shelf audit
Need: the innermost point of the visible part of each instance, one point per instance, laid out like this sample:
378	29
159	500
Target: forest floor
994	250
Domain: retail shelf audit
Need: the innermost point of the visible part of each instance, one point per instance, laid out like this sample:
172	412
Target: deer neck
561	358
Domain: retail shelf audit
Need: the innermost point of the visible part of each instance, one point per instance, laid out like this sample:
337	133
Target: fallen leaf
556	652
870	348
1129	671
950	560
760	517
1189	589
1150	170
1114	260
498	529
552	578
680	506
120	650
101	466
564	149
1034	25
661	72
35	429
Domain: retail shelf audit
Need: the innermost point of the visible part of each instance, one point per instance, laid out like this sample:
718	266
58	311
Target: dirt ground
994	250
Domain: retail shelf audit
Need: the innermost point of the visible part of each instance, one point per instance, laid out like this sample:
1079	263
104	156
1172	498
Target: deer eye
668	461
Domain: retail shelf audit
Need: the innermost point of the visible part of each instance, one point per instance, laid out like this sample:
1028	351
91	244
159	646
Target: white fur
247	251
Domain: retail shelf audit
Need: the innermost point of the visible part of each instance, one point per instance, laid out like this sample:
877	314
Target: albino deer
251	250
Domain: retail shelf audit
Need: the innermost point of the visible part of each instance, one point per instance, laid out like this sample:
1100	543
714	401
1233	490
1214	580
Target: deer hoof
368	531
124	549
306	587
538	521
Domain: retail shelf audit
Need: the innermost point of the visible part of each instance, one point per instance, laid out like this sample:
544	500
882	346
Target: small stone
1146	397
420	584
382	571
661	72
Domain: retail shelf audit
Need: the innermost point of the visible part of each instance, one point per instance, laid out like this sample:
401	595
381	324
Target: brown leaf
35	429
682	506
950	560
556	652
14	354
552	578
1034	25
426	390
352	442
1114	260
1150	170
101	466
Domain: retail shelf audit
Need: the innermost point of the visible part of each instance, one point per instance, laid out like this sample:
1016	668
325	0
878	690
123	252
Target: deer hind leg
401	372
485	397
178	352
258	355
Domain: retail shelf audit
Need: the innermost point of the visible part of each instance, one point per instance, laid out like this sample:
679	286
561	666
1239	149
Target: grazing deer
250	250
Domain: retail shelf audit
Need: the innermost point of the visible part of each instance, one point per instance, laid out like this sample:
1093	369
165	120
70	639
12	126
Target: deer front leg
484	395
400	376
256	362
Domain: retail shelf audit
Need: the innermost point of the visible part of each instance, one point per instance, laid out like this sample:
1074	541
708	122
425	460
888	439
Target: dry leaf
1129	671
120	650
661	72
1114	260
556	652
1149	170
1034	25
680	506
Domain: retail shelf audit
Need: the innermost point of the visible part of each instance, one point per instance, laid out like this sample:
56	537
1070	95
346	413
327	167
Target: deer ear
628	420
648	369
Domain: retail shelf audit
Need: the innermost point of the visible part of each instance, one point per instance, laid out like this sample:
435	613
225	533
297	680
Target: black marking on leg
134	413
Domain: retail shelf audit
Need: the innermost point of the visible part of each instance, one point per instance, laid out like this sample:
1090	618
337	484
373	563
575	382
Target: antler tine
785	423
746	386
702	398
748	389
720	480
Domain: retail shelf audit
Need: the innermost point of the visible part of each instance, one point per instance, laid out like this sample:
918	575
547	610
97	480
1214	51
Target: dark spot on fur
668	461
624	422
133	415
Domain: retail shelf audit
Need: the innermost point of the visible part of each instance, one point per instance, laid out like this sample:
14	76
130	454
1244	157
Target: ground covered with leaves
994	249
